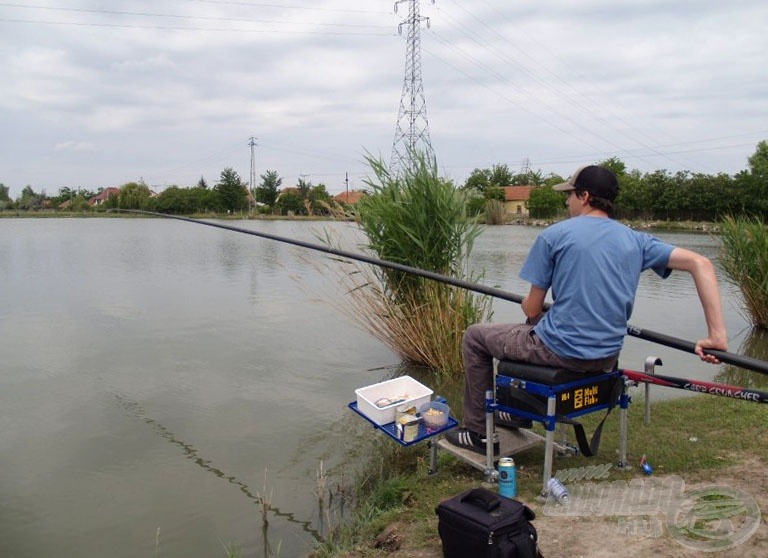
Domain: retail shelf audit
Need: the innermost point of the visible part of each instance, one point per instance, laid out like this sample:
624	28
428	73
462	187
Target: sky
97	93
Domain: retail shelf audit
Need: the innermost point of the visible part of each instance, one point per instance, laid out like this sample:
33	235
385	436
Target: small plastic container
435	414
401	391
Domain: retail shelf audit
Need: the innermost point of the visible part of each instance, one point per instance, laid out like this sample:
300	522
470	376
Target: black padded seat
547	375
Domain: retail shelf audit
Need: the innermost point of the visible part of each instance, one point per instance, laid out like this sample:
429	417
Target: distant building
515	198
350	198
103	196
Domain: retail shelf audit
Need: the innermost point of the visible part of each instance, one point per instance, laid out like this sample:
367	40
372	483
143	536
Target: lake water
159	379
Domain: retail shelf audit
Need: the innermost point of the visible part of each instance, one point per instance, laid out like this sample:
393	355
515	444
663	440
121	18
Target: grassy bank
706	227
692	437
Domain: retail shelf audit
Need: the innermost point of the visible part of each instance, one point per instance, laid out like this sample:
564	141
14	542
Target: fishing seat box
479	523
576	393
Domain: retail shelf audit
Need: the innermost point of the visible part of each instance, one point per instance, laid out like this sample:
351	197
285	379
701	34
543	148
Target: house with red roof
103	196
349	198
515	198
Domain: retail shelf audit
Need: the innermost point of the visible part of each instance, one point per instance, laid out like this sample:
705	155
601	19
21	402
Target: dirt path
597	537
589	536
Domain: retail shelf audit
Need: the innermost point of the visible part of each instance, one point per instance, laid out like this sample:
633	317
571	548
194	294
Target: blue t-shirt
593	266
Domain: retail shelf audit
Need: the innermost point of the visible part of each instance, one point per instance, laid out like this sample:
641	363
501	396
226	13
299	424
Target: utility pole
412	132
346	181
252	178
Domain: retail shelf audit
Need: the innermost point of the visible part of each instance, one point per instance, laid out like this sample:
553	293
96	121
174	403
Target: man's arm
703	272
533	304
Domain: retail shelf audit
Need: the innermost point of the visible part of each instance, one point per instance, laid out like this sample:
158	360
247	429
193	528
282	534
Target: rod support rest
651	363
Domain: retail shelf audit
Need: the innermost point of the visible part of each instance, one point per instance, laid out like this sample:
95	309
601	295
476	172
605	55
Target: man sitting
593	265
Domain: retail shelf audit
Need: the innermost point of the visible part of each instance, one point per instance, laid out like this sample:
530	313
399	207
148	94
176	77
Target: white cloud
176	94
74	146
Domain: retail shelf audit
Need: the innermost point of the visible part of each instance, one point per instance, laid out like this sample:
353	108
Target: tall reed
424	327
495	212
417	219
745	261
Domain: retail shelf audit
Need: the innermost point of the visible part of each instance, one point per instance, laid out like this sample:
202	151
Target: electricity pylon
412	132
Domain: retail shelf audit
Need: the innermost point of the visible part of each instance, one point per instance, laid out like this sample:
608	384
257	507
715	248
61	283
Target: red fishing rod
698	386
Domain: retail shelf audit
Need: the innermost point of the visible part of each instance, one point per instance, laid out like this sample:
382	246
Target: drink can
507	477
558	491
645	466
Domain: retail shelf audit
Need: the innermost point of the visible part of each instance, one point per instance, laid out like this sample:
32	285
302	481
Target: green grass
686	436
692	437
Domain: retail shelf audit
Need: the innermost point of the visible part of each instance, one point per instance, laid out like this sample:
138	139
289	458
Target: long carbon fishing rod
698	386
648	335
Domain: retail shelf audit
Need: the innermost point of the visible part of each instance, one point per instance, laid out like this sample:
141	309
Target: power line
187	17
171	28
595	116
520	105
285	6
566	96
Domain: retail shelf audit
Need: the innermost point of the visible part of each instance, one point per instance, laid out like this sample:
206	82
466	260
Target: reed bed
745	261
416	219
495	212
423	326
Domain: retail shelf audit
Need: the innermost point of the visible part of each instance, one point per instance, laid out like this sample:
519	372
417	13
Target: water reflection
260	499
755	345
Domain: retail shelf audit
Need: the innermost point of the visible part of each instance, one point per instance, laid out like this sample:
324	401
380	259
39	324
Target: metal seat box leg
549	444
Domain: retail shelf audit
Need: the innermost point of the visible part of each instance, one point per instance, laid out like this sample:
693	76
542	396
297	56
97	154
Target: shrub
416	219
745	261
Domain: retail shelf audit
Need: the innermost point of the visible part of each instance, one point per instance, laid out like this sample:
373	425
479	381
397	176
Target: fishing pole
698	386
648	335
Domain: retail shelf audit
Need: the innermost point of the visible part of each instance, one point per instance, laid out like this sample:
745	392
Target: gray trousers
484	342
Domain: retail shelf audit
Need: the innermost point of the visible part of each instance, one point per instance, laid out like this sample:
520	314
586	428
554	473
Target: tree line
657	195
229	195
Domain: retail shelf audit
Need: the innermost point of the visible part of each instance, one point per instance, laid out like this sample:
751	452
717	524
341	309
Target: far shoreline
706	227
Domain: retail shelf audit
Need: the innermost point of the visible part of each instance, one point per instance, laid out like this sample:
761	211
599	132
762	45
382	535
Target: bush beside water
416	219
745	261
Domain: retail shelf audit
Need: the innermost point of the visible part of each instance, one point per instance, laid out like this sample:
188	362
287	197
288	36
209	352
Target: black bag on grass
481	524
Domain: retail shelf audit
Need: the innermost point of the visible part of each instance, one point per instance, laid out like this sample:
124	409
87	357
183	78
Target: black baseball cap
598	181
